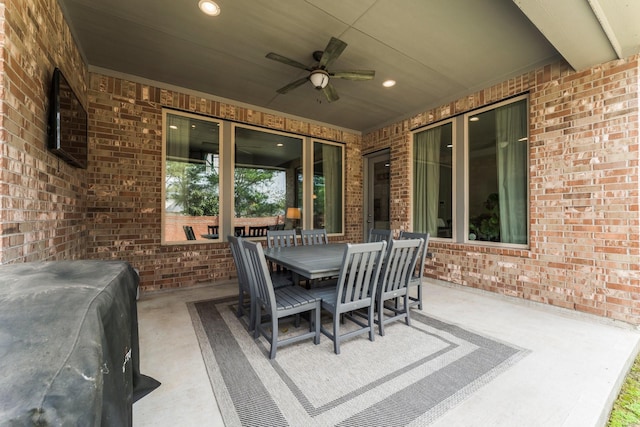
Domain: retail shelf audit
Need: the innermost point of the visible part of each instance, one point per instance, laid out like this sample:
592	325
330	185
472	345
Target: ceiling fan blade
332	51
354	74
292	85
287	61
330	92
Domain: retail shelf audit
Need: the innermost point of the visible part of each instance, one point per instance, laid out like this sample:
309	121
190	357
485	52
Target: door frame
368	184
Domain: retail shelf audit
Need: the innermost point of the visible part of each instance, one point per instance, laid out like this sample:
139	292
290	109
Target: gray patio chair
258	231
416	279
278	303
379	235
317	236
280	238
244	288
355	290
188	232
399	263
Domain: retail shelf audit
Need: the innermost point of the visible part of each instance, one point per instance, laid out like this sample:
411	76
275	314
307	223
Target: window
245	183
497	179
192	166
264	180
433	181
470	176
327	187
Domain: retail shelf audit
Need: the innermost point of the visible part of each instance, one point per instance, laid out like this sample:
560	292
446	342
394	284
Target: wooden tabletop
311	262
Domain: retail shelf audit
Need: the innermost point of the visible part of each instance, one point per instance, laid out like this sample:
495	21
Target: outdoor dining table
209	236
311	262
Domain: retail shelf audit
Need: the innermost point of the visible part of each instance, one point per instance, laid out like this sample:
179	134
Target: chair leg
420	296
297	321
252	315
336	336
372	324
274	337
316	313
381	316
240	310
256	321
407	309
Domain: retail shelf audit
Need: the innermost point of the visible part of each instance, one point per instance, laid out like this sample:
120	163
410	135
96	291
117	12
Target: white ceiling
436	50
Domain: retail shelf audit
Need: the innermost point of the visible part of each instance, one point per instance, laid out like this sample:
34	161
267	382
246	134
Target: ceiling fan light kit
319	75
319	79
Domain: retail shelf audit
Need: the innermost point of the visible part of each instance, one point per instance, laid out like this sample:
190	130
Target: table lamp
294	215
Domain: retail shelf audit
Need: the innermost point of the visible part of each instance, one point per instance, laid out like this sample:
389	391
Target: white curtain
427	180
332	171
511	131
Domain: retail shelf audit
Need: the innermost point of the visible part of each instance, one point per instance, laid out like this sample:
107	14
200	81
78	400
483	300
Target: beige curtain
426	180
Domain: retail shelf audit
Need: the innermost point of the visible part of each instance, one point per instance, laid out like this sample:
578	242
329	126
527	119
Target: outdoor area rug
411	376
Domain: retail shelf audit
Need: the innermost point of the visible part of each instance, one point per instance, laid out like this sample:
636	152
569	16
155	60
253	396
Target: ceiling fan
319	75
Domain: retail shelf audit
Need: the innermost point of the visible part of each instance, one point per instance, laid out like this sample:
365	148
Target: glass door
377	201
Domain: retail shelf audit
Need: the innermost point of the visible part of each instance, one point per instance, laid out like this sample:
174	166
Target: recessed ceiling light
474	119
173	127
523	139
389	83
449	145
279	144
209	7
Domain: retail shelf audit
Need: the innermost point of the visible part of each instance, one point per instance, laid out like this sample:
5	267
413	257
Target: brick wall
583	175
584	252
43	200
125	179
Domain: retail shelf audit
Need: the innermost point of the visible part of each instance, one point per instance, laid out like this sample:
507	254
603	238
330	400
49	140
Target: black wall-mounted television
68	137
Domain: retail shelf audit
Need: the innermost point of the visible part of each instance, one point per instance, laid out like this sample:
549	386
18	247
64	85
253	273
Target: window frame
221	157
226	183
454	177
308	181
464	227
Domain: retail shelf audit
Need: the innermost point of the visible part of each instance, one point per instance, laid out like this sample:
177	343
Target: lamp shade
319	79
293	213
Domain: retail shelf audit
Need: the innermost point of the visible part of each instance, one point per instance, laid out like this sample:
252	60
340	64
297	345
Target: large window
192	174
470	176
497	180
433	181
264	180
223	178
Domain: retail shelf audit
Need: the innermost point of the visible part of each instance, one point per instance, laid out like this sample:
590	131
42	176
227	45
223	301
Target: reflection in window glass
191	177
497	152
432	189
264	181
327	187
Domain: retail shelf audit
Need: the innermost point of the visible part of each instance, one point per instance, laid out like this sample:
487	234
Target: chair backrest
259	276
422	256
188	231
258	230
317	236
281	238
399	263
378	235
238	231
212	229
239	258
361	264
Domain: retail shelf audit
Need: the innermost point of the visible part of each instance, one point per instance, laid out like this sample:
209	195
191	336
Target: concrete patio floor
571	376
